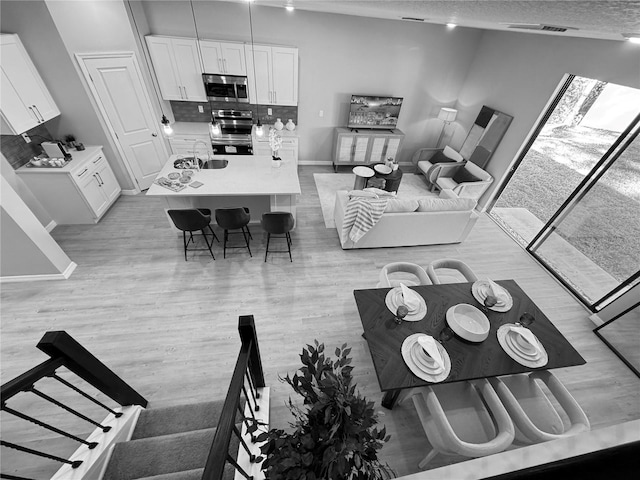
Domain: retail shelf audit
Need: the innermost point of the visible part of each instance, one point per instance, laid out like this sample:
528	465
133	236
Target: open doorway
573	197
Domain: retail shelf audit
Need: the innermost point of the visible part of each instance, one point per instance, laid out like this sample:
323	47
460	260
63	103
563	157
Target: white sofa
441	176
450	220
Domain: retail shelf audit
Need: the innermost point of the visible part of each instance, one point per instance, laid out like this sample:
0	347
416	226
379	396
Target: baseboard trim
130	192
314	162
52	224
38	278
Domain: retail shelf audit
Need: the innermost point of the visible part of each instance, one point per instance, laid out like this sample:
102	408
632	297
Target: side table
392	180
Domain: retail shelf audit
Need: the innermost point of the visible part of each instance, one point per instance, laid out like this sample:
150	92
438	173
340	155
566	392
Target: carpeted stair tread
175	454
159	455
184	475
182	418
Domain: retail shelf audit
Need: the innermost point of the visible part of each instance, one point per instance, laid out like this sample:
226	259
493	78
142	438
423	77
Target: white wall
9	174
340	55
26	248
517	73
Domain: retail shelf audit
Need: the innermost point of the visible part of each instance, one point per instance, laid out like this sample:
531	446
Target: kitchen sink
215	164
210	164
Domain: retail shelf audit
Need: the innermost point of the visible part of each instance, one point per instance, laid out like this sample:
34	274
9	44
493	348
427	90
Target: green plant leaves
334	435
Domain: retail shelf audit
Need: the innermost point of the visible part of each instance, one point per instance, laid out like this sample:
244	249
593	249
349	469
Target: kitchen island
247	181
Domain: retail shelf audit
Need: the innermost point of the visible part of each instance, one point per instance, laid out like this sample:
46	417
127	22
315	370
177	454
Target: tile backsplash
18	152
188	111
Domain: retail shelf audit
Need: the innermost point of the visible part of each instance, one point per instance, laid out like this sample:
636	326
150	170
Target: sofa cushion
440	157
463	175
433	204
401	205
452	154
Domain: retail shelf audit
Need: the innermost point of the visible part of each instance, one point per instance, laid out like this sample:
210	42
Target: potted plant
275	142
334	434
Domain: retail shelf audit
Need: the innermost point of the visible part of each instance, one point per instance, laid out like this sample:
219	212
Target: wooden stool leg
288	238
224	248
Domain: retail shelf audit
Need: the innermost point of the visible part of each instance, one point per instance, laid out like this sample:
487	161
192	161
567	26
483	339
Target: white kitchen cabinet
184	144
26	102
288	151
223	57
178	68
276	74
80	192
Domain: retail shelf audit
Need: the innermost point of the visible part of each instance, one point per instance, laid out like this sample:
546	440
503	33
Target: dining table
469	360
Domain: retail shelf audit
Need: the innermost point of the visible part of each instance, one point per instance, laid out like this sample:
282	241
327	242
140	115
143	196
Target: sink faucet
195	158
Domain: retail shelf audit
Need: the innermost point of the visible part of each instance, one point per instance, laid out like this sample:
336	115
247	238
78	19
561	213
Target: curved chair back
533	413
189	219
460	269
232	218
277	223
458	419
414	275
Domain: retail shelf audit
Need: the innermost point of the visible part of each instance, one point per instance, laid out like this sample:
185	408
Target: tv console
363	146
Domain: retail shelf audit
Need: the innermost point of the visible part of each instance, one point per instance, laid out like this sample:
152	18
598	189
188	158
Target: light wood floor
169	327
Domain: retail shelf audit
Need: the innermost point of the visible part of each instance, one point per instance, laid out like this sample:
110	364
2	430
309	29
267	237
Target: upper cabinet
223	57
178	69
26	102
276	74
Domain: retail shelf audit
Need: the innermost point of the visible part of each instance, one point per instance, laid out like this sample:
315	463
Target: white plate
391	301
382	169
541	361
407	347
479	290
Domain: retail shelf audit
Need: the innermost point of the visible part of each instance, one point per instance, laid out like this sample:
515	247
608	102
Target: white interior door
126	105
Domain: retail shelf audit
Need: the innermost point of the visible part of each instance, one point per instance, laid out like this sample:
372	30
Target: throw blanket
361	214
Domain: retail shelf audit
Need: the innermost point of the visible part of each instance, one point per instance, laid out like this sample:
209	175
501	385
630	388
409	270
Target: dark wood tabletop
468	360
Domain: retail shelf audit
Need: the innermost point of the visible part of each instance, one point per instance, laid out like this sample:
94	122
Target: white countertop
77	160
245	175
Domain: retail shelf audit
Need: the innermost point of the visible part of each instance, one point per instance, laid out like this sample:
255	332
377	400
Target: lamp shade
447	114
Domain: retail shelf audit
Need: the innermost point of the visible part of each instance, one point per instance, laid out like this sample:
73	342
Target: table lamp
447	115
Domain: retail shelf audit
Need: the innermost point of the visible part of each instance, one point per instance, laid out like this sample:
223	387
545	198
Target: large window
573	199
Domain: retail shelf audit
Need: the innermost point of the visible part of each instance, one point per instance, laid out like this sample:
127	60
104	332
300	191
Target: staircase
170	444
203	441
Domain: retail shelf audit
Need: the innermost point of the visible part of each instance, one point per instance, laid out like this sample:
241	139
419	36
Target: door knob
154	134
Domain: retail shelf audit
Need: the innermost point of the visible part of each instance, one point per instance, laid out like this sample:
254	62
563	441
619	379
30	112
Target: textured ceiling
593	19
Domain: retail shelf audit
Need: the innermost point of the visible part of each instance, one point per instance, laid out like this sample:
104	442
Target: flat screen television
369	111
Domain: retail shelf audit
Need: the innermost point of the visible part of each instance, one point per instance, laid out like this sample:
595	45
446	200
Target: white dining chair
534	415
458	419
449	270
392	274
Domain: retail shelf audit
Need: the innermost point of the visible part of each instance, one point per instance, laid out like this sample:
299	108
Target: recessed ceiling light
451	25
290	8
632	37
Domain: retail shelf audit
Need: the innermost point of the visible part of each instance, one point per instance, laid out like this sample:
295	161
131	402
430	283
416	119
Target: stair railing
248	367
66	352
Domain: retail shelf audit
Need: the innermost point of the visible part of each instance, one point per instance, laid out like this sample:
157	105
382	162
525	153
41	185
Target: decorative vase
276	161
290	125
278	125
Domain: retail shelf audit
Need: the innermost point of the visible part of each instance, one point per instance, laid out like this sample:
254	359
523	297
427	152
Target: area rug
327	184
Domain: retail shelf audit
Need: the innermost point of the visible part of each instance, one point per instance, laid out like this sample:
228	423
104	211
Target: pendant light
214	126
166	124
259	129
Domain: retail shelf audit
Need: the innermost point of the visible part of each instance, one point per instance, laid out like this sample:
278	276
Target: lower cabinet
361	147
184	144
288	151
79	193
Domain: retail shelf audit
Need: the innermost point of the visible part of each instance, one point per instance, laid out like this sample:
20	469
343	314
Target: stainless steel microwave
226	88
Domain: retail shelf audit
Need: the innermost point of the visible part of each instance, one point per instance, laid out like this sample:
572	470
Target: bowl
468	322
36	163
173	176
